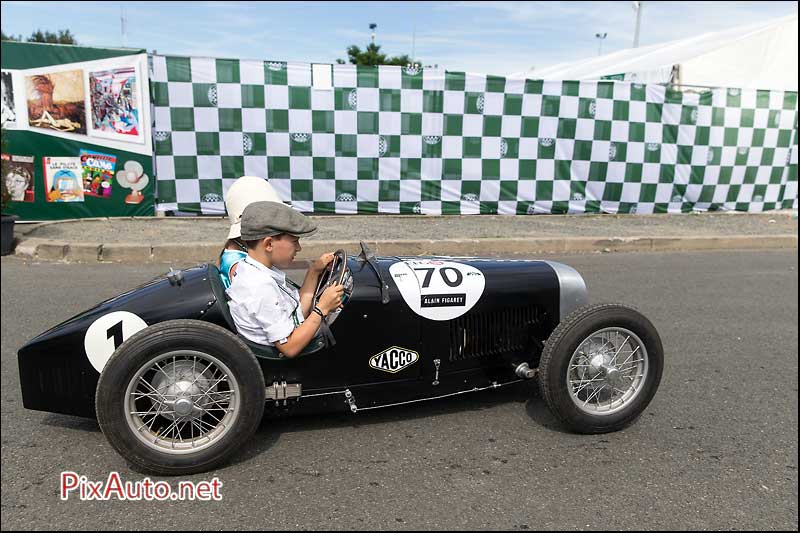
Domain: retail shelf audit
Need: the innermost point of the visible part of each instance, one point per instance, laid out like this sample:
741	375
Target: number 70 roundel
438	290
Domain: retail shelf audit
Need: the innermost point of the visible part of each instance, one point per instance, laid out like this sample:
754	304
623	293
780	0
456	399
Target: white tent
757	56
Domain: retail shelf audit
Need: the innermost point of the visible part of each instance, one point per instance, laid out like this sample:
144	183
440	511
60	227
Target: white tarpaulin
757	56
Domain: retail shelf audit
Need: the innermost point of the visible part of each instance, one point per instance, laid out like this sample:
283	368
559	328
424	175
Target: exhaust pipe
524	371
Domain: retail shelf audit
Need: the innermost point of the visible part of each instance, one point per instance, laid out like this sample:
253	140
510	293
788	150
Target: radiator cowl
497	333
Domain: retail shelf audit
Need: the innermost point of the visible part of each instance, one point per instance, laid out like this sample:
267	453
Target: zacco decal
437	289
393	359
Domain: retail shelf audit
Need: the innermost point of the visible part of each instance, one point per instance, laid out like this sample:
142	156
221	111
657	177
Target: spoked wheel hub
607	370
182	401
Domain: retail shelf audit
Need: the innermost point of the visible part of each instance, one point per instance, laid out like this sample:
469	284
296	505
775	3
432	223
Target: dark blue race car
176	390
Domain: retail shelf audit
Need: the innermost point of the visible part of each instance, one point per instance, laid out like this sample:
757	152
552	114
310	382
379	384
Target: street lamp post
637	6
413	40
372	27
124	23
600	37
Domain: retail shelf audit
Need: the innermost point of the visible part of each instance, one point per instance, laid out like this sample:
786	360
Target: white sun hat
243	192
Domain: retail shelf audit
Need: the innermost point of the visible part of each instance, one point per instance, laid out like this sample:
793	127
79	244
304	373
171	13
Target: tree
62	37
372	56
5	37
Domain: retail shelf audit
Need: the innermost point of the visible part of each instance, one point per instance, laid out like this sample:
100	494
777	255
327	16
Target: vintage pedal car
176	390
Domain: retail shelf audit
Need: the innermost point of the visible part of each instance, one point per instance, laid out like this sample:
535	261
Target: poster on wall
115	105
98	173
62	179
56	101
132	177
19	177
9	117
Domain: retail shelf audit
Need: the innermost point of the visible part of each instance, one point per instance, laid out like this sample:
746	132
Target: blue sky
491	37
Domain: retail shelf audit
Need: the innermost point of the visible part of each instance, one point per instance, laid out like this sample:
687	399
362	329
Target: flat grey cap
265	219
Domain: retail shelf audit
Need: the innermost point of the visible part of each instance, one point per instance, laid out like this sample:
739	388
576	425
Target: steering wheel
336	272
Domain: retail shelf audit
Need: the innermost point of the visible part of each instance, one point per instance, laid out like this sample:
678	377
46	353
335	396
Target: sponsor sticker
393	359
444	300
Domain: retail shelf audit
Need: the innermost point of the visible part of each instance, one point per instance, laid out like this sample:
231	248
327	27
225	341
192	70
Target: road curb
49	250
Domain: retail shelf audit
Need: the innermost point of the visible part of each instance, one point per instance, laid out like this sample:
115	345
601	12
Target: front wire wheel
601	367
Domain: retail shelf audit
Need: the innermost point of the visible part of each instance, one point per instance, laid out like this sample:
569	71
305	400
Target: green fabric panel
38	145
33	55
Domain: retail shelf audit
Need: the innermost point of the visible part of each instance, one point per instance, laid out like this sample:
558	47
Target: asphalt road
716	449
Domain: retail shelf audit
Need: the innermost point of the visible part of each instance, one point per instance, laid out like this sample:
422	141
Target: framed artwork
115	101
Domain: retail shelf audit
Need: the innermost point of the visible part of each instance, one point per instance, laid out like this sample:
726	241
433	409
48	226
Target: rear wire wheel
180	397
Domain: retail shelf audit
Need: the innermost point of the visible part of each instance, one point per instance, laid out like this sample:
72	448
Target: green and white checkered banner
405	140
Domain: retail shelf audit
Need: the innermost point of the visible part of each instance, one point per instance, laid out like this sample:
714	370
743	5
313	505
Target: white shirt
264	307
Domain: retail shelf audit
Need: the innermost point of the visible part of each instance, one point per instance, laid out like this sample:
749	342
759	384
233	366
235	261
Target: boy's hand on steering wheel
331	299
318	266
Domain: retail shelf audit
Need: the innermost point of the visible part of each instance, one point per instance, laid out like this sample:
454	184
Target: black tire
563	343
143	350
